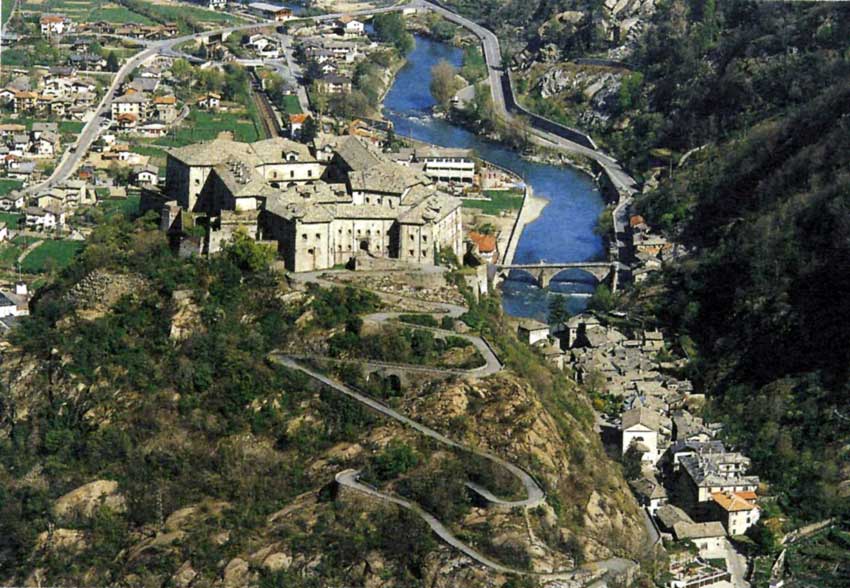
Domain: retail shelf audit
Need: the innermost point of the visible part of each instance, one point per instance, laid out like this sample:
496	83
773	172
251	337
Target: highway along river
564	230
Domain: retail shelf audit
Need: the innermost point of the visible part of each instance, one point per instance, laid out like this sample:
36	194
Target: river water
564	230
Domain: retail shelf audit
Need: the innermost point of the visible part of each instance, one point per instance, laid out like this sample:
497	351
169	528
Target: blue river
564	230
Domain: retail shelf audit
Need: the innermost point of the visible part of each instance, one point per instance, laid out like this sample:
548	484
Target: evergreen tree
112	62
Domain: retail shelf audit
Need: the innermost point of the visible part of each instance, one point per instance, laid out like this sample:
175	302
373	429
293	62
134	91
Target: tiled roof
732	502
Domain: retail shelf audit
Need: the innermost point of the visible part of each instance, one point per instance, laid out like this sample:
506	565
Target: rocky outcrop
70	541
100	289
503	414
237	574
85	500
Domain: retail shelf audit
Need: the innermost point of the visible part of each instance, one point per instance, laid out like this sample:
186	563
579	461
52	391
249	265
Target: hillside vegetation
764	206
146	439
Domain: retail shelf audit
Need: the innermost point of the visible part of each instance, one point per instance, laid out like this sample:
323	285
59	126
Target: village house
334	84
531	331
212	4
165	108
483	247
44	219
703	474
348	25
132	103
54	24
737	511
263	45
650	493
210	101
295	123
13	304
147	175
4	231
87	61
25	101
12	201
269	11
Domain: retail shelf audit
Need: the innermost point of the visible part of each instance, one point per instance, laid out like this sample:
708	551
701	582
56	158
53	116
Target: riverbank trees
444	83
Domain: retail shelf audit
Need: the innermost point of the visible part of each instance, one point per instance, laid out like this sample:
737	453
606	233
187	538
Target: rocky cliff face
590	507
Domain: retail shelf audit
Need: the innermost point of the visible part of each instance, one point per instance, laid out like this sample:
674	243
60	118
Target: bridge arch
522	275
577	275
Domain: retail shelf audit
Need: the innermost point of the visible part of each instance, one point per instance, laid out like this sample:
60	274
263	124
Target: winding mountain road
589	574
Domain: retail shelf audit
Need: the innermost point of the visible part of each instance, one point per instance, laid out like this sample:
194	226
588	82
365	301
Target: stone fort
318	206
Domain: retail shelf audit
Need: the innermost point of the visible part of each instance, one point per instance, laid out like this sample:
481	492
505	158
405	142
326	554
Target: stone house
650	493
531	331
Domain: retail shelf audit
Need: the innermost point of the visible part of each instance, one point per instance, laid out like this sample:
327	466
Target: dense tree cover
390	28
708	74
766	207
402	345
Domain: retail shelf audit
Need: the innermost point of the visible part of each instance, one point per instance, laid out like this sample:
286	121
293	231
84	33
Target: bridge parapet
544	272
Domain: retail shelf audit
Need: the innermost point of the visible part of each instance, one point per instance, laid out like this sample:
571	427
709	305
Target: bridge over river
543	273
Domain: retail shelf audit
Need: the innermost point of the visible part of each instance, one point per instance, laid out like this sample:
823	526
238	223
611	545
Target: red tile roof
485	243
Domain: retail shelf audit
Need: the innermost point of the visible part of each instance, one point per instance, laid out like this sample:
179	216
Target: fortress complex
319	206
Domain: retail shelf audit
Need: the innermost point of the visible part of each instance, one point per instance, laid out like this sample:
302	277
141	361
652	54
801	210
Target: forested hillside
765	208
734	114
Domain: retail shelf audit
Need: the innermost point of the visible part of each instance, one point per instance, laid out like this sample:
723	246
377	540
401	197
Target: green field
57	254
291	104
8	254
10	218
205	126
499	201
7	186
120	14
129	206
87	10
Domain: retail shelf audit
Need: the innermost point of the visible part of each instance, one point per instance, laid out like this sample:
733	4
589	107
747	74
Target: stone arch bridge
544	272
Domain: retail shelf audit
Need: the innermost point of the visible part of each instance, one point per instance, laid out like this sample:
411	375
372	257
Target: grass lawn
171	12
291	104
9	252
150	151
499	201
7	186
59	253
71	126
10	218
205	126
117	14
129	206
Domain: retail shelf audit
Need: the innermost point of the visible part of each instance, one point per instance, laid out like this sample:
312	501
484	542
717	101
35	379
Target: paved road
534	493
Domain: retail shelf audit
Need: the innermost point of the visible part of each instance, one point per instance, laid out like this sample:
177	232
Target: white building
44	219
640	428
531	331
14	303
54	24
